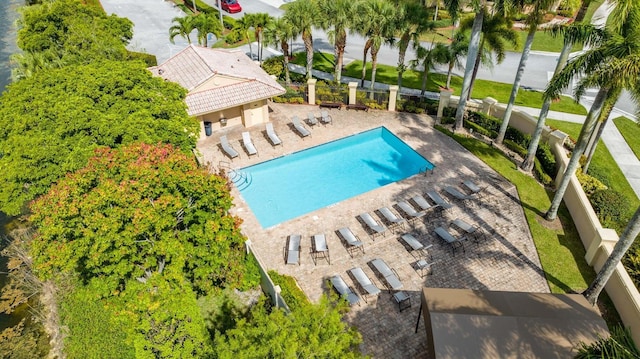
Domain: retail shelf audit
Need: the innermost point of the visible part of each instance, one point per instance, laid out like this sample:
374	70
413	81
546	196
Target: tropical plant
612	65
375	22
243	27
302	15
337	18
619	345
260	21
206	24
278	33
603	118
182	27
537	9
427	59
456	49
411	22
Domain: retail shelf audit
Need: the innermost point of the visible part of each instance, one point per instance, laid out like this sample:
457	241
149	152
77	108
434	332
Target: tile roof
194	65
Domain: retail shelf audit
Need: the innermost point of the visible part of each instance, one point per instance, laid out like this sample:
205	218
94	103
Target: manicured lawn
603	163
558	244
630	130
542	41
412	79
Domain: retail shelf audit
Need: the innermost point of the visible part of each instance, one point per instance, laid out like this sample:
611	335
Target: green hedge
293	296
148	59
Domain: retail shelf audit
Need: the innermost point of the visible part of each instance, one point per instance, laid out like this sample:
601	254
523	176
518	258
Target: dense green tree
61	29
426	59
243	27
456	49
136	211
312	331
303	16
207	24
51	123
411	22
259	22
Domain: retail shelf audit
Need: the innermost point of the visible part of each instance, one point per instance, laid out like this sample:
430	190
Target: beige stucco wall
232	115
256	113
598	241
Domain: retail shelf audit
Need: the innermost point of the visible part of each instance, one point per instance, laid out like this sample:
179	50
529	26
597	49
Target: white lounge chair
300	127
311	119
227	148
363	283
421	202
455	193
474	189
389	275
472	230
248	144
454	242
373	227
393	221
415	245
325	118
319	248
344	290
352	241
435	197
292	249
410	213
273	137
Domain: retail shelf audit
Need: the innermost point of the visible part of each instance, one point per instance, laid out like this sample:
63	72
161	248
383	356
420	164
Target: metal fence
332	93
376	99
296	93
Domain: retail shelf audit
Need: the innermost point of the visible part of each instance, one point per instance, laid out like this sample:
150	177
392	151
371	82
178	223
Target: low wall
266	283
597	241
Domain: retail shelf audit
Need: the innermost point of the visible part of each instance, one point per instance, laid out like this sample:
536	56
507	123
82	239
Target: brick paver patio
507	260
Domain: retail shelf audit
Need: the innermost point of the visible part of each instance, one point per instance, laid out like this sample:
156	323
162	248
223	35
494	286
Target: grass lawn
630	130
593	6
603	163
558	244
412	79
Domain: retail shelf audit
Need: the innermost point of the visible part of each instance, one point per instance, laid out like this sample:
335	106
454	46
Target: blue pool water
296	184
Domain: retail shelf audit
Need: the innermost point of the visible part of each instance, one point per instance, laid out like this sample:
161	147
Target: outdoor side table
403	300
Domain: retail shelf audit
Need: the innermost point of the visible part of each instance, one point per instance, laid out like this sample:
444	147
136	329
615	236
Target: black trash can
207	128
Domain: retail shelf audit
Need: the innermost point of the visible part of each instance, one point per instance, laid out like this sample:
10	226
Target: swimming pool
290	186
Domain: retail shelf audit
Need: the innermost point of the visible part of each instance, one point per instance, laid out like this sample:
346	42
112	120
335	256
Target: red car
231	6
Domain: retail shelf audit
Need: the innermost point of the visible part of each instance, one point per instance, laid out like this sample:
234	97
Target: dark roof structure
463	323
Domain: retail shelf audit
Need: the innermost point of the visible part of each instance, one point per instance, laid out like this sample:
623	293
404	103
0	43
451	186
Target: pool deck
507	260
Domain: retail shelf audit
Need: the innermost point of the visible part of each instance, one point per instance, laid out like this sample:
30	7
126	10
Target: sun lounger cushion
435	196
248	144
299	127
343	289
293	249
364	281
373	225
311	119
273	137
421	202
348	236
409	211
325	117
412	242
226	147
387	274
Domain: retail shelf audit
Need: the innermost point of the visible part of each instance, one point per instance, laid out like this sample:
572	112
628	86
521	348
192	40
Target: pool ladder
426	170
239	178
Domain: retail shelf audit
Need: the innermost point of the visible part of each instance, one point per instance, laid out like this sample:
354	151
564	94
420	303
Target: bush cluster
589	183
291	293
418	105
610	206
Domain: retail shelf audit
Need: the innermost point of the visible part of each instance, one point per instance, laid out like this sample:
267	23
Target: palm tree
619	345
575	33
259	22
411	22
183	27
534	18
206	24
376	23
615	64
496	32
456	49
302	15
243	26
603	119
337	18
278	33
427	59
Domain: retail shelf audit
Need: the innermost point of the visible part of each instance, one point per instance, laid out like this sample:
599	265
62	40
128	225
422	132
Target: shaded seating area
452	241
325	118
248	144
227	148
352	242
319	248
409	212
273	137
344	290
415	246
474	230
292	249
363	283
388	275
437	199
372	226
393	222
456	194
474	189
299	127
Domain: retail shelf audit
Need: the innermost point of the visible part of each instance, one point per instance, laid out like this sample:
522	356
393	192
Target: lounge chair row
319	249
247	143
456	242
312	120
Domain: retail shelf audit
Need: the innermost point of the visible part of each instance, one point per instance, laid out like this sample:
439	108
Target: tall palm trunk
607	108
527	164
308	45
367	46
374	65
476	66
471	57
341	43
626	240
516	83
403	44
285	50
585	133
425	75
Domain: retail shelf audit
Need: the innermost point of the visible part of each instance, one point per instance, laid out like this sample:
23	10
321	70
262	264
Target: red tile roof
194	65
